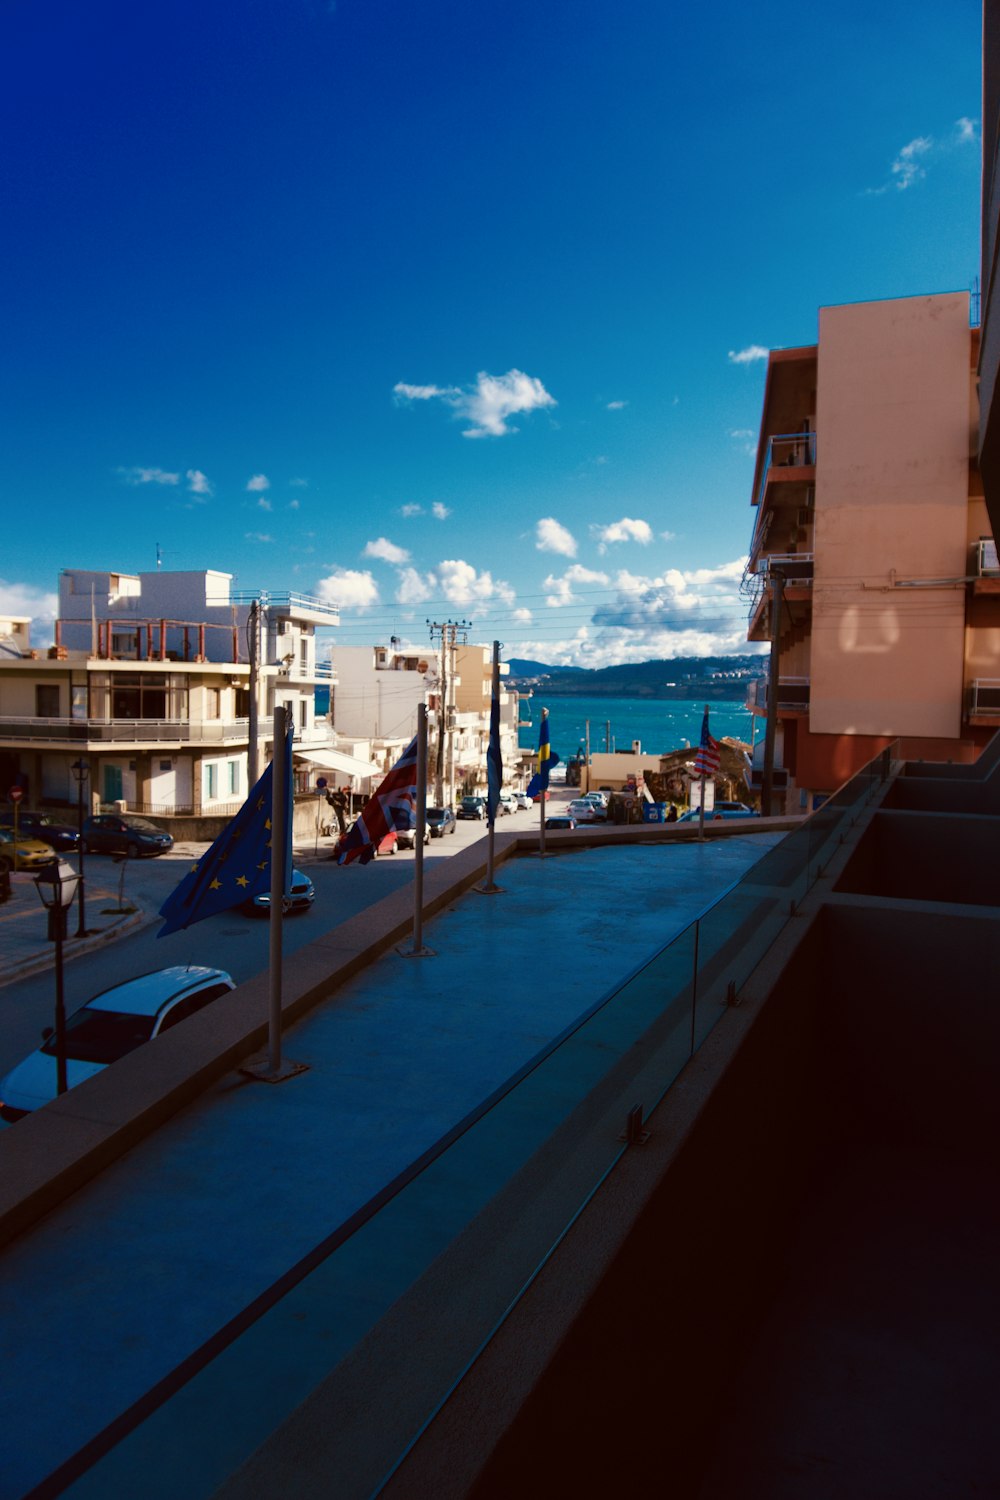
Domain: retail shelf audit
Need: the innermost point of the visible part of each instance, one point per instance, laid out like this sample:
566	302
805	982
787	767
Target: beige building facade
872	559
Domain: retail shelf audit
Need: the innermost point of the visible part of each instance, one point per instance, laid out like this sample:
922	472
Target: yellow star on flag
242	880
215	885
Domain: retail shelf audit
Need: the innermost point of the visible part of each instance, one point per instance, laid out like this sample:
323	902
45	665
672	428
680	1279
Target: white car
522	800
582	811
507	803
115	1022
599	802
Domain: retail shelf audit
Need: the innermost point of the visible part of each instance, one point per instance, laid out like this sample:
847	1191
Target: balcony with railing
793	696
790	457
983	701
796	572
294	606
984	566
101	733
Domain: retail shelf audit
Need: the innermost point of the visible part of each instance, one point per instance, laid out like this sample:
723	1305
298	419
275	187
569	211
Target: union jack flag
706	762
392	807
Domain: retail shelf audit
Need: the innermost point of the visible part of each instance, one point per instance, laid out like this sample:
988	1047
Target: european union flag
547	758
236	868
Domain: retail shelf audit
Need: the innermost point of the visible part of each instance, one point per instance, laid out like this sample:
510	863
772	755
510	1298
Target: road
230	941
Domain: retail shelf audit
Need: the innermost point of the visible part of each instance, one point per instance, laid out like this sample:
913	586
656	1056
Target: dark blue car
122	833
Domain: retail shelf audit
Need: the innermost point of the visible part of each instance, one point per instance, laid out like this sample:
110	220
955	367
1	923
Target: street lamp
56	884
81	772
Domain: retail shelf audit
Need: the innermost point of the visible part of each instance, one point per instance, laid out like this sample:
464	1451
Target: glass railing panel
733	936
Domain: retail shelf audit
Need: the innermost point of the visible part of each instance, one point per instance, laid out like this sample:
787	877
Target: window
211	782
166	765
303	713
233	771
213	703
46	701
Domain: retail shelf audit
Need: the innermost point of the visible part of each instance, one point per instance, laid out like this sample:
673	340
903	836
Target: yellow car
23	854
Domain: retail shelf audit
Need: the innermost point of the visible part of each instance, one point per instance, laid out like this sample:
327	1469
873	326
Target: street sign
15	794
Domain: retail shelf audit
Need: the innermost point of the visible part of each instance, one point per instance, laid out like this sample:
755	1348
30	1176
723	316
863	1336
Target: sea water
658	724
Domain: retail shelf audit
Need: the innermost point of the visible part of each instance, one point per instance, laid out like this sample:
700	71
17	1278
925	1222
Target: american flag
393	806
706	762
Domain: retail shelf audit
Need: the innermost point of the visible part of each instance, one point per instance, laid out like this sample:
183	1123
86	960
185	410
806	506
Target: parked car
599	803
507	803
35	825
472	807
522	800
441	820
720	812
406	838
115	1022
582	810
121	833
560	820
22	853
302	894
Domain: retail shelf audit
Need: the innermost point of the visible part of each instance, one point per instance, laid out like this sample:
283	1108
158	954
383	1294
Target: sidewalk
24	944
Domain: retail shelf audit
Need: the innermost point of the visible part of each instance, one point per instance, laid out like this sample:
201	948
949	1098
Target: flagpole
491	888
701	809
280	813
544	798
418	873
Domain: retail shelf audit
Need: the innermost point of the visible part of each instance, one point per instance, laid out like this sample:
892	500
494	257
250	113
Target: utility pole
447	633
587	787
777	600
253	651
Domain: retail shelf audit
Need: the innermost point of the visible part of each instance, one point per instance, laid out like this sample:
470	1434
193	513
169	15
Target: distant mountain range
681	677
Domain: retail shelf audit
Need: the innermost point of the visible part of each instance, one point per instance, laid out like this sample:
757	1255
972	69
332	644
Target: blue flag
236	868
547	758
494	763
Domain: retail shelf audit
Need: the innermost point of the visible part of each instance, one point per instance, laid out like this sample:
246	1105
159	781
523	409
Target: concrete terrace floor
141	1268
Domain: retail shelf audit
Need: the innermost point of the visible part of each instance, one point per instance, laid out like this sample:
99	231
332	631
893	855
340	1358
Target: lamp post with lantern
56	884
81	774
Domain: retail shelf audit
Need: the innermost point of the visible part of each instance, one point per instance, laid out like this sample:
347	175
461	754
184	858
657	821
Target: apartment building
148	686
872	566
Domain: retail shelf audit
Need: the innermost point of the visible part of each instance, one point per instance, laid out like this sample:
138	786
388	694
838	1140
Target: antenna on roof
159	556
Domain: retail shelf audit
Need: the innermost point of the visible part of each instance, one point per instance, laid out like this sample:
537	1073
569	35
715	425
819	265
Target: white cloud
488	403
748	356
906	169
617	405
460	583
348	588
41	609
561	589
258	536
422	392
966	131
550	536
293	505
439	511
415	588
386	550
411	510
741	432
298	484
257	483
559	593
523	616
264	504
625	530
199	483
668	536
138	475
692	613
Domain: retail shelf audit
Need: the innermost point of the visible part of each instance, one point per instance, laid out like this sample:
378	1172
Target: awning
336	760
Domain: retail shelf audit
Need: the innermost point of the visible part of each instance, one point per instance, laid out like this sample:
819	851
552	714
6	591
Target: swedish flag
547	758
235	869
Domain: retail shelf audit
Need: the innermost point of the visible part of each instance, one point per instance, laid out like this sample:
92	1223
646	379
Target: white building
149	684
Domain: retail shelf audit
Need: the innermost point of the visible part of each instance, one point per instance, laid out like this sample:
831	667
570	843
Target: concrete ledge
52	1153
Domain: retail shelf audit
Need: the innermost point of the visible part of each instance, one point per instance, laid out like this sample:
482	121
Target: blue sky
449	310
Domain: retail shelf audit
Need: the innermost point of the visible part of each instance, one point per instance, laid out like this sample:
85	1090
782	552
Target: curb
72	948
